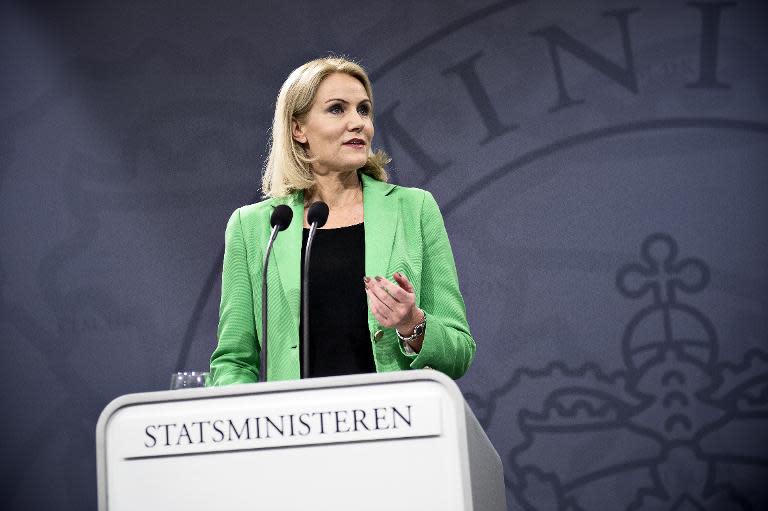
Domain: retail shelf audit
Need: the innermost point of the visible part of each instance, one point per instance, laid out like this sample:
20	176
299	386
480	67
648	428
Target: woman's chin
354	164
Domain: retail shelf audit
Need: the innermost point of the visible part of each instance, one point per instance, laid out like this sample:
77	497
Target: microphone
280	220
281	217
316	217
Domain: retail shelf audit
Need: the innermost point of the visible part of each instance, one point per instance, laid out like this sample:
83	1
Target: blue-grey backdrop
601	166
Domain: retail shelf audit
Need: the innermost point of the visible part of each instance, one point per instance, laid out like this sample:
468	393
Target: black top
339	341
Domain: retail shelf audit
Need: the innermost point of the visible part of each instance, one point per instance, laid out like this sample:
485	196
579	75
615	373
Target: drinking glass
188	379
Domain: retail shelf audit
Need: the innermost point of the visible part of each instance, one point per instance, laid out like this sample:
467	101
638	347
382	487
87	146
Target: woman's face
338	129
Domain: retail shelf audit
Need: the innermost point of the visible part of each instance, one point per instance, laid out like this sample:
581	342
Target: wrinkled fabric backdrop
601	167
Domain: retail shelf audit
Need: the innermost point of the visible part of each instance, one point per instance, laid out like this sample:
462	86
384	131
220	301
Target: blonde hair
288	167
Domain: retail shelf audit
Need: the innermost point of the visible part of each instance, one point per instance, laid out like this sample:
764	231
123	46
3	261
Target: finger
393	316
394	290
403	282
378	309
376	301
377	289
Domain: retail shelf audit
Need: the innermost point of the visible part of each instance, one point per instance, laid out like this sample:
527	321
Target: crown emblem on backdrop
666	324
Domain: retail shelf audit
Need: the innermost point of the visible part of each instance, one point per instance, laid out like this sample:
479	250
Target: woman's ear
298	132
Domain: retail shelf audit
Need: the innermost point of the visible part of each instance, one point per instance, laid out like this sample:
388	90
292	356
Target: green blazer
404	232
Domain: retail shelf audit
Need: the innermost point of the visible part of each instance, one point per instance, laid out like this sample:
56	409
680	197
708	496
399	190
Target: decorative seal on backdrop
675	418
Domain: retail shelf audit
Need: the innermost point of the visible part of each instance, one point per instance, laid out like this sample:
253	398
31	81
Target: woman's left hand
393	305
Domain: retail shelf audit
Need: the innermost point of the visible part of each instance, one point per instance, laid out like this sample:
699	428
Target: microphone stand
263	361
305	308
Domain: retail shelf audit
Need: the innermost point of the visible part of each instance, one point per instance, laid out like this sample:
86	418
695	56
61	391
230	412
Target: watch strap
418	330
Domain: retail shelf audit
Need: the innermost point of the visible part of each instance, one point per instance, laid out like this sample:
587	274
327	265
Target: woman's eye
336	109
364	109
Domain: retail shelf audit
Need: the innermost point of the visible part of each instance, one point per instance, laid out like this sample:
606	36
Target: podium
390	441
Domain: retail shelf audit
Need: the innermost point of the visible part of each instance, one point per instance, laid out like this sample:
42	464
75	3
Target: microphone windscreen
281	217
318	212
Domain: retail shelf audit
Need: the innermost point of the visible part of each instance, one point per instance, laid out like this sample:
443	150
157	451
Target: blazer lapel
380	211
287	257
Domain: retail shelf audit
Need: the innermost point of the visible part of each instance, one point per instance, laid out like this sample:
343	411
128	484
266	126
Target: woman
361	321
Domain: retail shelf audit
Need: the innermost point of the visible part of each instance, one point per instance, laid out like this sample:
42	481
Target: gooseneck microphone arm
316	218
280	220
265	267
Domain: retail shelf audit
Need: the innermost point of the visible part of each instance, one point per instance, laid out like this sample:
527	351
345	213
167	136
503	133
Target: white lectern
390	441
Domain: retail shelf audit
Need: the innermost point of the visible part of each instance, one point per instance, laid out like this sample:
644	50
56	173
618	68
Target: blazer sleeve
236	358
448	345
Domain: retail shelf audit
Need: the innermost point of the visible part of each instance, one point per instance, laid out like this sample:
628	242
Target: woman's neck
336	190
342	193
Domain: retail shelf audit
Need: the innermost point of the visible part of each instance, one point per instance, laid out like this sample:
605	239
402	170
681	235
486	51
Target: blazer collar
381	216
287	254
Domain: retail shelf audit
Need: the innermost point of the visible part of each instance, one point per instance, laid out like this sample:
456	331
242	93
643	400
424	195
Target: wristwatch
418	330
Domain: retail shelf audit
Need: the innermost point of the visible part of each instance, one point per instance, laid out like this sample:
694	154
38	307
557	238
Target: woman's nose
356	124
